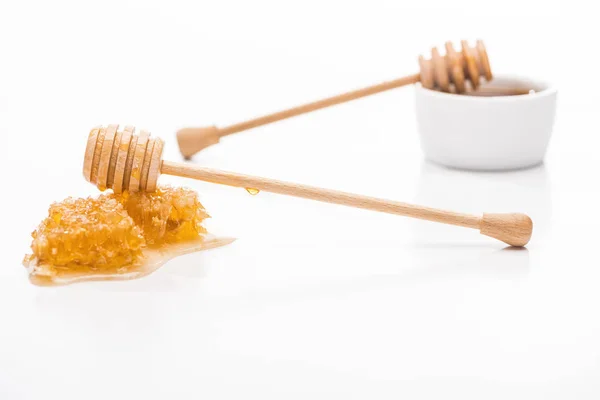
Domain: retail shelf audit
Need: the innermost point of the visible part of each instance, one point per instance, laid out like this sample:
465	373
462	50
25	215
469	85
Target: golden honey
116	236
168	215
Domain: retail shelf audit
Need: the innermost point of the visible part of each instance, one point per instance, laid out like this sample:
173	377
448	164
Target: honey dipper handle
192	140
317	105
513	229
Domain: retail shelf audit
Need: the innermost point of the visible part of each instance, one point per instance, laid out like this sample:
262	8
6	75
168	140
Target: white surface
486	133
313	300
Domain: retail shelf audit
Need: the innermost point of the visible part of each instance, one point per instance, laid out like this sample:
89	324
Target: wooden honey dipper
445	73
129	161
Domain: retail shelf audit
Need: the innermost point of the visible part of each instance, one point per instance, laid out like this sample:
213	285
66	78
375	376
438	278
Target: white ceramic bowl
487	133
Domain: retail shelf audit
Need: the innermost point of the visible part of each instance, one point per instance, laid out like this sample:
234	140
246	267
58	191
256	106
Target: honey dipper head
451	71
122	160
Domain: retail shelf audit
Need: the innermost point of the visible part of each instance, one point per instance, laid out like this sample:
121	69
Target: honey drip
252	191
117	237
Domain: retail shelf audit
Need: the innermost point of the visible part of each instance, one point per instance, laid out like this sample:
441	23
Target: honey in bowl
500	86
113	237
494	91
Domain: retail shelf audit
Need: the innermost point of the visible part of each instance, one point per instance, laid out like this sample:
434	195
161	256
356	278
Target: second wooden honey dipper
126	161
445	73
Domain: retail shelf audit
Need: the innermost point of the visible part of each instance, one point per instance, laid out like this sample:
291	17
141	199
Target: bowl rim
548	90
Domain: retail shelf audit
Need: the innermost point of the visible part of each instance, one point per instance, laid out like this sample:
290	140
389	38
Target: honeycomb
167	215
86	233
110	232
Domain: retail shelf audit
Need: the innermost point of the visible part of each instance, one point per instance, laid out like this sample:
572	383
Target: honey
168	215
87	232
117	236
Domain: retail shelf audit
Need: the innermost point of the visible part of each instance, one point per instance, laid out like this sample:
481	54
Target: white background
312	300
